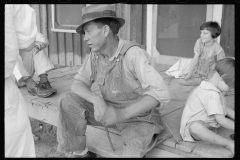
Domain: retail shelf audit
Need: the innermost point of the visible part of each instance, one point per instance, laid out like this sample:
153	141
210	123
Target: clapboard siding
228	30
67	49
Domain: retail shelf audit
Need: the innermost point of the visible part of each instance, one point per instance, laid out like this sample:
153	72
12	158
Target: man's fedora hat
93	11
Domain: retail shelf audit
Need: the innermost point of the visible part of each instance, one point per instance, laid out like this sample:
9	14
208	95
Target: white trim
63	30
53	22
217	16
149	28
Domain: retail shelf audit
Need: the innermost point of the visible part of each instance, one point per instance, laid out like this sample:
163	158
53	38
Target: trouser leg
42	63
19	71
39	63
27	59
140	135
74	115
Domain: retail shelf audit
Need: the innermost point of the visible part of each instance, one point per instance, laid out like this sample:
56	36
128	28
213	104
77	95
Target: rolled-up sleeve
85	72
41	38
149	78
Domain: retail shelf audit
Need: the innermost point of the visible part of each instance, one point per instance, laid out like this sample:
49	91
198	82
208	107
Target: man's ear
106	30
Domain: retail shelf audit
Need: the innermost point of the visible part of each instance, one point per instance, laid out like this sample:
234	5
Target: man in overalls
132	91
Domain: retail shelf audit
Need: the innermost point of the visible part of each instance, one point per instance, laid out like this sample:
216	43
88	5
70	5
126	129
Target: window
67	17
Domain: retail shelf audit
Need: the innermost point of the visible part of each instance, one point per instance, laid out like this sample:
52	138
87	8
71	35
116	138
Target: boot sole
43	96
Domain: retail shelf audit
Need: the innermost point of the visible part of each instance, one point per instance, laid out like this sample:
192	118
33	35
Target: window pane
178	28
68	15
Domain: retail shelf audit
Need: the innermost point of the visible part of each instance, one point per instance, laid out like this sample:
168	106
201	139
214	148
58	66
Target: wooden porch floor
46	110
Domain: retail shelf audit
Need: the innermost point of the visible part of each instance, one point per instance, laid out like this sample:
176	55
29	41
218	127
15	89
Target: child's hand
184	76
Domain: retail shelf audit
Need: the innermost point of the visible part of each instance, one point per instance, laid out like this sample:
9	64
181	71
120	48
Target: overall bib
139	134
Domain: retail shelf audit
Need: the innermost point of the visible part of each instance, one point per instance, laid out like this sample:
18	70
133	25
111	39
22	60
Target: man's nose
85	38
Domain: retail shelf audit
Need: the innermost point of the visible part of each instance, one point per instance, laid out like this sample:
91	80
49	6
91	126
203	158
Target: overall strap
127	45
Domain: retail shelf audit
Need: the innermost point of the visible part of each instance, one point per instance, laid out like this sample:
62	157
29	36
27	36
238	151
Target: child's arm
224	122
193	64
230	113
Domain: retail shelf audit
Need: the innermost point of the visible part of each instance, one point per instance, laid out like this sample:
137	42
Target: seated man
35	60
133	92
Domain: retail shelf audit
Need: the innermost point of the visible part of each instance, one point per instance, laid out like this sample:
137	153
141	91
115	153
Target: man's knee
67	97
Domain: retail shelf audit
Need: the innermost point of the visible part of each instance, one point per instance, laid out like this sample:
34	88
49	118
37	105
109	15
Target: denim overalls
139	134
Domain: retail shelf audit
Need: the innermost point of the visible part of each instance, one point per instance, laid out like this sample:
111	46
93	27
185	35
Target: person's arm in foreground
149	78
81	86
224	122
230	113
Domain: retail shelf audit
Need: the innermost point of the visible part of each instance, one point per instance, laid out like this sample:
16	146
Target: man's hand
100	107
112	116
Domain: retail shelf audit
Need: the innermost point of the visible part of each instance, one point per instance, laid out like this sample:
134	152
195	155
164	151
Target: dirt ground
46	140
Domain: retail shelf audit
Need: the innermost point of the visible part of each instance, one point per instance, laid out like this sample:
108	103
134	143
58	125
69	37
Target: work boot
46	85
84	154
37	90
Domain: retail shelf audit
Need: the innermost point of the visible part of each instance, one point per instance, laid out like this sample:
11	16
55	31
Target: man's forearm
81	89
145	104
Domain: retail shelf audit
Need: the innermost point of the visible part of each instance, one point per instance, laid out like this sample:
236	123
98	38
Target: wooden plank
69	49
61	48
52	37
186	146
204	149
159	153
227	39
64	70
77	49
144	25
179	152
85	50
43	22
136	23
123	11
44	114
172	106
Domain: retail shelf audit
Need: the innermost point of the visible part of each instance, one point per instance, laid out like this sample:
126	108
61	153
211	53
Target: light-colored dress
20	32
208	56
205	101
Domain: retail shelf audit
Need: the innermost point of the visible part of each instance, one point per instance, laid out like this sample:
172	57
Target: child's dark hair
226	67
213	27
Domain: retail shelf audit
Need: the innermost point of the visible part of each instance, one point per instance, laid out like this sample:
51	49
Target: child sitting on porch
207	51
206	109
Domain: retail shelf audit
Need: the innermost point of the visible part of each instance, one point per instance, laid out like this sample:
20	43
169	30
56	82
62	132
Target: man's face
94	36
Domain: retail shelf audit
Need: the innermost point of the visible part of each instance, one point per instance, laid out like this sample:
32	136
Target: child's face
206	36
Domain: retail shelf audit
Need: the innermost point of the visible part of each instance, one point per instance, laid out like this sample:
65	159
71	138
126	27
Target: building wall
227	40
67	49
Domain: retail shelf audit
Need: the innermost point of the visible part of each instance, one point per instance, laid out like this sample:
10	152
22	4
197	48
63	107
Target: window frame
214	13
54	27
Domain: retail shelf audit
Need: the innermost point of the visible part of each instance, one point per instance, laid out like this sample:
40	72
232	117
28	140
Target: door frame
214	13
